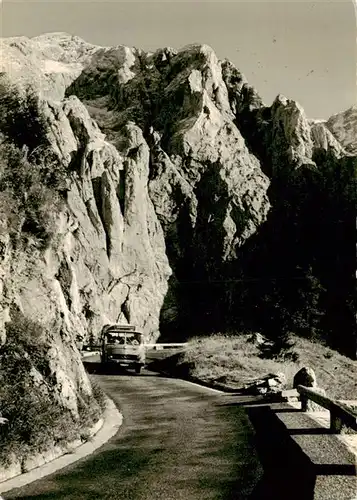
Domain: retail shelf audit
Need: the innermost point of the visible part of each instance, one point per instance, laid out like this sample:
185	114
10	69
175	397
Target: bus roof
120	329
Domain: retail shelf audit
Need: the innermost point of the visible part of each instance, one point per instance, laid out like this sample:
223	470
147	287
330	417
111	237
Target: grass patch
232	361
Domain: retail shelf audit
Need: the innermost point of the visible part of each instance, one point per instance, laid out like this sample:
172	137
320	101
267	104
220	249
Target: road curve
179	441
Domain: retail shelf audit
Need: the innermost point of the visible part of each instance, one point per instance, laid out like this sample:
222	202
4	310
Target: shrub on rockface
26	154
20	117
31	193
36	420
33	185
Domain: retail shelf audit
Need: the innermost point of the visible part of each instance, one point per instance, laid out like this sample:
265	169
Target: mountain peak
344	127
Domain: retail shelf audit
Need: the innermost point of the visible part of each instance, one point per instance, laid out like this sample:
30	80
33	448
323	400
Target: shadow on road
98	368
106	369
176	444
288	472
336	470
287	466
77	483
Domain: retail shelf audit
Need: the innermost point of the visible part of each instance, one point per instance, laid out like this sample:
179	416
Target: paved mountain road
178	441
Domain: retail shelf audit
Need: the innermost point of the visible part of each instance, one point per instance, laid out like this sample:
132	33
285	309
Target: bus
123	345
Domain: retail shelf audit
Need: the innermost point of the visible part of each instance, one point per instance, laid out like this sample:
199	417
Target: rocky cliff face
300	262
344	128
168	158
168	138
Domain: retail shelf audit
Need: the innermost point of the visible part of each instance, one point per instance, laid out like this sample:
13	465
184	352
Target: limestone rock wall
168	156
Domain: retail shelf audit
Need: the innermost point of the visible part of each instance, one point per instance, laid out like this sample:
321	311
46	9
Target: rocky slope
344	127
147	177
172	165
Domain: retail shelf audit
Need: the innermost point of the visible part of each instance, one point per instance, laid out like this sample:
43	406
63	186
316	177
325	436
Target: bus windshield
123	338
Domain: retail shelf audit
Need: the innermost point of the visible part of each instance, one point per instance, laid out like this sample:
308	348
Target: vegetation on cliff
31	178
32	196
37	421
302	260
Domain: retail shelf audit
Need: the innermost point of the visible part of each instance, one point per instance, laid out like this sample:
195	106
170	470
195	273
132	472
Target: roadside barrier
340	414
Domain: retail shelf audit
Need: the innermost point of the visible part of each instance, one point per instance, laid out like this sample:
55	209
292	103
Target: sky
303	49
